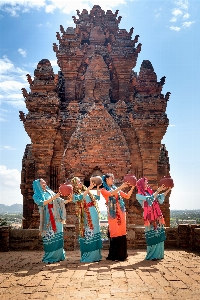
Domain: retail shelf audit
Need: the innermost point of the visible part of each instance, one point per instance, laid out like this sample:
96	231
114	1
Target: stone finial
131	31
22	116
116	12
78	12
30	81
139	47
24	93
55	47
75	19
162	80
62	30
58	36
119	19
167	96
136	39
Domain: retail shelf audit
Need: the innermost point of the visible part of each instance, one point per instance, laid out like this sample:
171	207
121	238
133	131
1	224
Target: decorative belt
52	220
89	204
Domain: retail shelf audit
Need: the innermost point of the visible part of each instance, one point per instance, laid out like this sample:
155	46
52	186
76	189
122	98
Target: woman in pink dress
153	218
116	216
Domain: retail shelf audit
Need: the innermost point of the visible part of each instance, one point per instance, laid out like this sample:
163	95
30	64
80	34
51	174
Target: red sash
89	204
52	220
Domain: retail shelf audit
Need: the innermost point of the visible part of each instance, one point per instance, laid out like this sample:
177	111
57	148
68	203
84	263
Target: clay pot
167	181
131	179
96	179
66	189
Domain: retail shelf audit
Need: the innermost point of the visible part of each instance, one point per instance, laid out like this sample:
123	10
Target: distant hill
14	208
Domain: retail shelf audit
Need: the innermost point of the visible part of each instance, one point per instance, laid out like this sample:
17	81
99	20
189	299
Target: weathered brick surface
30	239
4	238
24	276
96	114
197	239
172	237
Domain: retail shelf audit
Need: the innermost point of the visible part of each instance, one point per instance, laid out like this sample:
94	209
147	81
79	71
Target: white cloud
50	8
69	7
12	79
180	12
13	11
10	186
176	28
9	177
187	24
183	4
158	12
176	12
173	19
14	7
47	24
22	52
186	16
7	148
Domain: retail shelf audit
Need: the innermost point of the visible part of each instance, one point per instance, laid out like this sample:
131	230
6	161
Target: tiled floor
24	276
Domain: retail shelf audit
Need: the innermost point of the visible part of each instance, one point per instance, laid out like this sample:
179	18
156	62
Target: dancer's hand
56	196
167	191
124	185
67	201
92	184
161	188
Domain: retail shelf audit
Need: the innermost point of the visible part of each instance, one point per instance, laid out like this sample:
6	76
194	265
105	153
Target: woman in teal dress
153	218
52	217
89	225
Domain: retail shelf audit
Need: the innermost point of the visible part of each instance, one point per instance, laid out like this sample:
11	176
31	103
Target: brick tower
96	115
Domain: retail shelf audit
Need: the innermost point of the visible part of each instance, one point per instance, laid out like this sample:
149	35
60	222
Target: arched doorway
96	172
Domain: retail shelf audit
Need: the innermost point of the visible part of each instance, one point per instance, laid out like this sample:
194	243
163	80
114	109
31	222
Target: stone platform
23	276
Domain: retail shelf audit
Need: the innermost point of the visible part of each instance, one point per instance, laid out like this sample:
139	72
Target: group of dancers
53	216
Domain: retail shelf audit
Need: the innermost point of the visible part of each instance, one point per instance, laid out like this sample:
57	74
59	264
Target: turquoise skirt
53	247
155	243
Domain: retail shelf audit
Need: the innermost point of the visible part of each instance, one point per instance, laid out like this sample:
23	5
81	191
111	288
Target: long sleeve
123	195
106	194
142	198
161	198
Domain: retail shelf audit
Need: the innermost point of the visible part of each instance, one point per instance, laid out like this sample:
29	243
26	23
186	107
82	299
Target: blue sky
169	33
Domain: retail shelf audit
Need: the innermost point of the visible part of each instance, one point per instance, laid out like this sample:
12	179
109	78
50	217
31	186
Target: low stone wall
197	239
25	239
30	239
184	237
4	238
171	237
69	237
135	237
